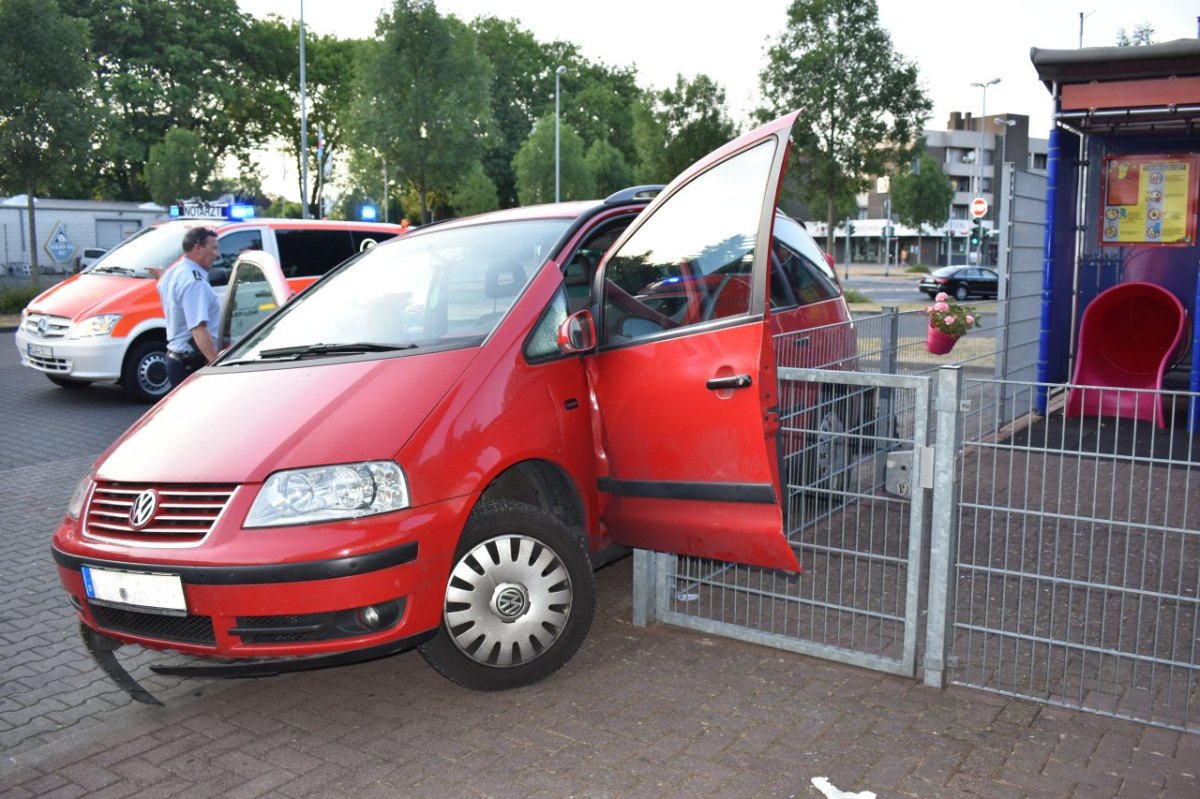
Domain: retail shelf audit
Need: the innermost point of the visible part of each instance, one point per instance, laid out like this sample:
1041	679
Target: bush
854	296
918	269
13	300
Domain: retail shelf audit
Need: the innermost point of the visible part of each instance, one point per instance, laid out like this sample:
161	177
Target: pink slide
1126	340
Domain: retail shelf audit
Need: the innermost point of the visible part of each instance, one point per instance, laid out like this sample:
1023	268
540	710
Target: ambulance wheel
519	601
144	376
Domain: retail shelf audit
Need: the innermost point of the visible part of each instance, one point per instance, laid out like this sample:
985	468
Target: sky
954	44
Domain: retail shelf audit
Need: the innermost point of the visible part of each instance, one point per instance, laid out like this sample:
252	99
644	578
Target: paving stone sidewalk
640	712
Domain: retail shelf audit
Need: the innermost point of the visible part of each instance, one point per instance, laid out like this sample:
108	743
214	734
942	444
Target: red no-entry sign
978	208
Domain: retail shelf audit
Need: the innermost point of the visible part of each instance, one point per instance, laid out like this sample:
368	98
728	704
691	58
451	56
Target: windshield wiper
124	270
347	348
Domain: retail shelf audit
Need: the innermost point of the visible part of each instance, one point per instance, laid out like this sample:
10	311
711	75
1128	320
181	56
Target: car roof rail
647	192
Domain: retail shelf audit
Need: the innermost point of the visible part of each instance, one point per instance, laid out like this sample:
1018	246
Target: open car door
257	287
683	375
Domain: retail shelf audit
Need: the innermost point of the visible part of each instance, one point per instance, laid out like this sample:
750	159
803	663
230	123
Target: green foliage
855	297
13	300
690	121
189	63
917	269
922	198
475	194
534	165
45	113
1142	34
424	97
179	167
864	107
609	169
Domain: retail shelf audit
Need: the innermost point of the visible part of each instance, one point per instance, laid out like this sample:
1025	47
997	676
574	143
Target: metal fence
1056	558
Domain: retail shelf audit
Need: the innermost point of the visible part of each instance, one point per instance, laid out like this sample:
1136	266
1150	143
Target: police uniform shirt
188	300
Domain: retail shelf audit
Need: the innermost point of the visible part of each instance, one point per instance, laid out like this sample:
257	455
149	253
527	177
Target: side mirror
577	333
218	276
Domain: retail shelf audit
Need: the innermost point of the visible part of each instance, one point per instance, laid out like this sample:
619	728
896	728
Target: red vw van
436	443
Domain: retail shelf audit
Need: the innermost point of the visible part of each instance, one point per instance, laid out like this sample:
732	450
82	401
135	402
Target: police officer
190	306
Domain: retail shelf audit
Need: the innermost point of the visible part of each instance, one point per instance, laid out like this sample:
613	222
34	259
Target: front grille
56	326
183	515
49	364
182	629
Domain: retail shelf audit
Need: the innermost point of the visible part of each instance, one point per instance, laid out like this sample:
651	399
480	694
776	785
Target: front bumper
90	358
389	589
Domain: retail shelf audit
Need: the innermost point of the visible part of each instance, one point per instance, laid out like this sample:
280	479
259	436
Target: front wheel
144	375
519	601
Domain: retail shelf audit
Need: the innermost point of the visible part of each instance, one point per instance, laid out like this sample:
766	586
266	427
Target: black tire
519	600
66	382
961	293
144	375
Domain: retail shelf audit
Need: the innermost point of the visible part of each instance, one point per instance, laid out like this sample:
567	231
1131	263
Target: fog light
368	617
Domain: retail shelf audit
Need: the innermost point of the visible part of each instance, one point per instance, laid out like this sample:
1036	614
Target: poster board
1150	200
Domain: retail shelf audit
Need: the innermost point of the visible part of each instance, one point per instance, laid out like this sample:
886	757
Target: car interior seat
578	280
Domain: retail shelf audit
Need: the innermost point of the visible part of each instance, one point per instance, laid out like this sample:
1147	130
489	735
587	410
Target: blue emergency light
241	211
367	213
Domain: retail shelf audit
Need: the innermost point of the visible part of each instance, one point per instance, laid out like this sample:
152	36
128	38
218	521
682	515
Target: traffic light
976	232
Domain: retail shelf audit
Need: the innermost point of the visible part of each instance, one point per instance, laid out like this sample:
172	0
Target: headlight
75	506
324	493
96	326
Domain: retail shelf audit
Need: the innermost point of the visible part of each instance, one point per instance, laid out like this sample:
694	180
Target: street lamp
558	73
982	116
303	125
1007	123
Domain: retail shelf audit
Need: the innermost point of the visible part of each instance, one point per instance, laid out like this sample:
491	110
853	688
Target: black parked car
961	282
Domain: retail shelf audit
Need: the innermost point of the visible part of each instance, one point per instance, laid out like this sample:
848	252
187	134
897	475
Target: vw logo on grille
142	512
42	324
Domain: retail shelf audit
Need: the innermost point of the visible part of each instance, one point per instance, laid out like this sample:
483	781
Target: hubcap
508	601
152	373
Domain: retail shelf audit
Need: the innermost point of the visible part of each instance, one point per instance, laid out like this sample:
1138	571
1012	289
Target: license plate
39	351
138	589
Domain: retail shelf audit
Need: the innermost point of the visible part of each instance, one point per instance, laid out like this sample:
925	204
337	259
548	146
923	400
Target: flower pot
939	343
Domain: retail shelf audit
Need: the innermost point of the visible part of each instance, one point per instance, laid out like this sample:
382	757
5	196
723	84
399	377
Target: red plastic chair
1127	339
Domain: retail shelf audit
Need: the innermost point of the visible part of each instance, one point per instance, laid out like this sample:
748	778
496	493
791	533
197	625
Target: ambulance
107	324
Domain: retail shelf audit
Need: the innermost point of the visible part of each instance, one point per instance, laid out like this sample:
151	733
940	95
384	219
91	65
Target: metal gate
1058	559
851	445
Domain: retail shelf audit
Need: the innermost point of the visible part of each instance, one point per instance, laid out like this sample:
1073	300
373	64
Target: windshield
444	287
156	247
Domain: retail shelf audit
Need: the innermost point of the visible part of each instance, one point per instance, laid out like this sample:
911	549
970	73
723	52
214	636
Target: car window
543	341
366	239
800	275
233	244
446	287
312	253
248	300
691	262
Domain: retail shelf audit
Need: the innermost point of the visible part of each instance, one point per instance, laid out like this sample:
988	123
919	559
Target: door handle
733	381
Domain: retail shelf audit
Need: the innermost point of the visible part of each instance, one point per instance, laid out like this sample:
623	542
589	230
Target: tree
922	196
179	167
192	64
424	97
609	170
46	116
864	107
475	193
693	122
533	165
1142	34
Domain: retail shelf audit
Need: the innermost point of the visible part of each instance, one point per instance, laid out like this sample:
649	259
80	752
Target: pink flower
941	296
970	319
941	306
949	320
